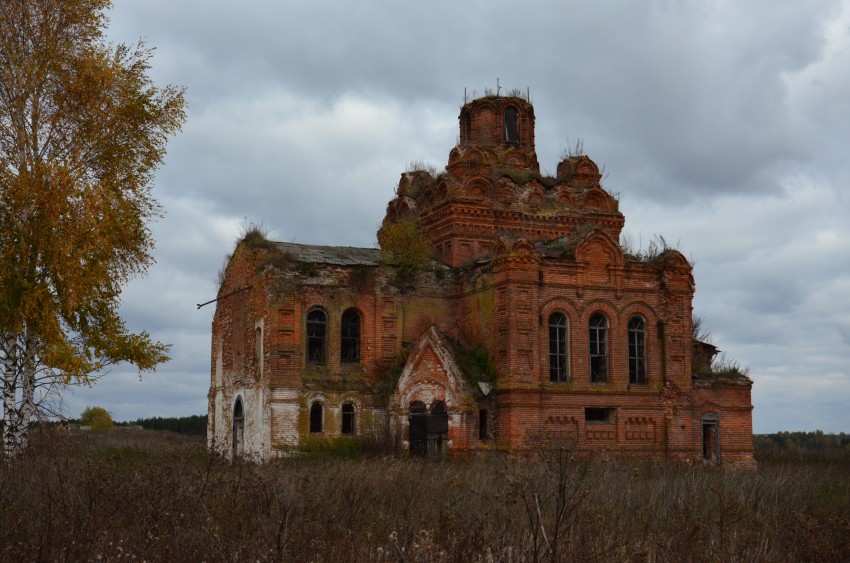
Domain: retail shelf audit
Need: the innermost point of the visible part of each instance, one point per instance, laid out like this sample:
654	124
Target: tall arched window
511	126
598	348
238	428
637	351
317	417
348	418
558	358
466	127
317	336
350	337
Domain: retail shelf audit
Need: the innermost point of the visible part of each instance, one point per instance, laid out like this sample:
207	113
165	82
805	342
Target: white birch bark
10	389
27	408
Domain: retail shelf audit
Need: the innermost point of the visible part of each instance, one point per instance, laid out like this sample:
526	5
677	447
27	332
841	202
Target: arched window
317	336
511	126
466	127
348	418
598	348
238	428
637	351
350	337
558	358
317	417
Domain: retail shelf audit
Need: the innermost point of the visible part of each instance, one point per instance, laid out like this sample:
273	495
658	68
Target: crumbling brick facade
530	324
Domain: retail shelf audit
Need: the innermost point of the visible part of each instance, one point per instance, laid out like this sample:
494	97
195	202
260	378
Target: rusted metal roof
337	255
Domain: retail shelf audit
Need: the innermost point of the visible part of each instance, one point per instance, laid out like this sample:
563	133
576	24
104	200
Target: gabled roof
337	255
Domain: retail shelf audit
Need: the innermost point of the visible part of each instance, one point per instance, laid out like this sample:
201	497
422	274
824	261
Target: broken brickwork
529	324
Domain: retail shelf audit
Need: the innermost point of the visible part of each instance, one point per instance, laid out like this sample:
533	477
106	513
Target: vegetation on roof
404	248
654	253
255	236
475	364
713	365
518	176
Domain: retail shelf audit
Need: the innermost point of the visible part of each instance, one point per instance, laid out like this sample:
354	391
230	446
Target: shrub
96	417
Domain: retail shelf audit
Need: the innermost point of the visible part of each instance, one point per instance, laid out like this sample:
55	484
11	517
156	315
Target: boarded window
350	340
598	348
317	336
348	418
511	126
637	351
317	416
558	358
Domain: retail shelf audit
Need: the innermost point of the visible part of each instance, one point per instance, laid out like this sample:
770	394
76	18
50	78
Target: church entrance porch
429	429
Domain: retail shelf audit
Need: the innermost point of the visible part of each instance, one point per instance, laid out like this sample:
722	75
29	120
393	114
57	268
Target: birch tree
82	131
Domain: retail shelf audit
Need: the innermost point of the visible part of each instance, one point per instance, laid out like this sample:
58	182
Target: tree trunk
10	388
27	408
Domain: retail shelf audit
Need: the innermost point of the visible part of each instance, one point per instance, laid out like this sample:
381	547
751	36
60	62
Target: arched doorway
238	428
711	438
429	428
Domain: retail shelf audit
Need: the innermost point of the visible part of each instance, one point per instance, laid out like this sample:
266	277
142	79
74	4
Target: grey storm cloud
721	126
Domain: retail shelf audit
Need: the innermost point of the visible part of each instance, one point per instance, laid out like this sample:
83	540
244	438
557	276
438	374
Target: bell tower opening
511	125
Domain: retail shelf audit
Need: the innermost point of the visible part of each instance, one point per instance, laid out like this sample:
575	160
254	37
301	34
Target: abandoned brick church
527	322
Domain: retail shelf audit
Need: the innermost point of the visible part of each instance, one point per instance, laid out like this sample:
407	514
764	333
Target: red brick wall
484	217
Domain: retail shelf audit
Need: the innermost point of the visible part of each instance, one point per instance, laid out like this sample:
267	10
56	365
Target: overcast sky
723	126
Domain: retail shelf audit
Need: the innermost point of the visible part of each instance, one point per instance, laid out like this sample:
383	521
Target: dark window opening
598	348
348	418
317	333
558	359
317	413
482	424
598	415
511	126
238	428
258	349
637	351
350	340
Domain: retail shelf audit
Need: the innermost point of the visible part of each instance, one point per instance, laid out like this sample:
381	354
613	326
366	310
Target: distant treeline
803	446
195	425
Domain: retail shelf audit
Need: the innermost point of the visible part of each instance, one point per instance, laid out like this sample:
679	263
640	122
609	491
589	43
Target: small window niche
600	415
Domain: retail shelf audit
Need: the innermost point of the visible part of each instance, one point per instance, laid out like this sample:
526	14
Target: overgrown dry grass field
155	496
